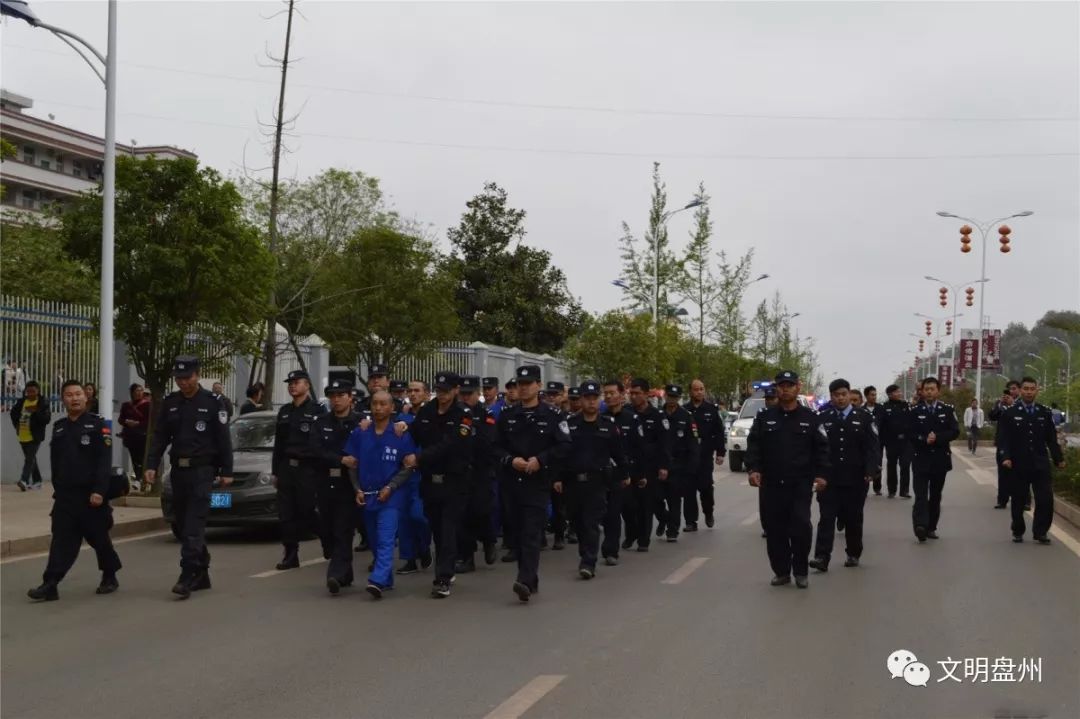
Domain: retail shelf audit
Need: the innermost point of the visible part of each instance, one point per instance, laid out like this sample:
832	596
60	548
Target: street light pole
1032	354
1068	372
955	328
21	10
985	228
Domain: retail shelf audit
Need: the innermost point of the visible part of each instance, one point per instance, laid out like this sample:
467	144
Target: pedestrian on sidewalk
973	423
135	422
30	415
1028	442
90	389
81	455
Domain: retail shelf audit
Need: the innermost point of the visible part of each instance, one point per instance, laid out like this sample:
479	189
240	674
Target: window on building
45	164
29	199
28	154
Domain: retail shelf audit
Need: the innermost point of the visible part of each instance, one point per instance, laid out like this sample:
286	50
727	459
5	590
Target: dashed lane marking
523	699
691	566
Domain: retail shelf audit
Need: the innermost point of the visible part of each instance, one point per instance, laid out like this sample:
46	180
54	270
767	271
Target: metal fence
49	342
479	359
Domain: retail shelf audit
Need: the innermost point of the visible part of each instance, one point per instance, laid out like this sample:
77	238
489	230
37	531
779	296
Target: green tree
191	274
506	292
35	263
618	342
697	283
650	269
400	308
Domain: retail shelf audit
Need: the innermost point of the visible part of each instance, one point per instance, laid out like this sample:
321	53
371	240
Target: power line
601	153
575	108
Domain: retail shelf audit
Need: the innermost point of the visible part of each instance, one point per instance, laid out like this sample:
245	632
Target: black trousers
587	503
297	511
443	508
73	520
787	522
877	475
700	483
926	511
506	499
630	500
1005	484
670	501
476	519
644	505
191	488
336	500
844	502
558	515
30	470
528	505
1038	481
136	449
898	454
612	522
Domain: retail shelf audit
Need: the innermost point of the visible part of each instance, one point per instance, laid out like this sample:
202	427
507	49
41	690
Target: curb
31	545
1067	511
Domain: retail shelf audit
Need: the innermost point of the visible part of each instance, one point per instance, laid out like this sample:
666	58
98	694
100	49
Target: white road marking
275	572
691	566
523	699
85	546
980	475
749	520
1062	536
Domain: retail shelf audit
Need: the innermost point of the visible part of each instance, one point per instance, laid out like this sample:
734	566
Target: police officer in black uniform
854	456
620	496
685	455
893	429
932	425
532	442
296	468
787	458
1028	443
655	446
1010	397
81	456
554	397
397	391
334	490
194	422
573	395
713	435
877	411
444	430
476	525
595	465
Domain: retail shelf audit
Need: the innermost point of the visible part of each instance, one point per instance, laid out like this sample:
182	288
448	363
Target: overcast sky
827	134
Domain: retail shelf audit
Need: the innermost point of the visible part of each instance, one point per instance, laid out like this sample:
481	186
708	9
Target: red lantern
965	230
1005	230
965	248
1006	249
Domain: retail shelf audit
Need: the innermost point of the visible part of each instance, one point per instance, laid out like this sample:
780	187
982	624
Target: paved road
644	639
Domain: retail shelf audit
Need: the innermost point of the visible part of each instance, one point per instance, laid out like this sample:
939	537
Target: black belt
191	462
586	476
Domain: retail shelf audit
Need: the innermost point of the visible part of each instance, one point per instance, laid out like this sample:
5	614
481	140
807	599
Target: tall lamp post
1036	370
1068	372
965	246
21	10
937	321
1044	363
955	299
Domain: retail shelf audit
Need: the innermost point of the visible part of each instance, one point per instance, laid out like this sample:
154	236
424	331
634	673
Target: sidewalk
25	524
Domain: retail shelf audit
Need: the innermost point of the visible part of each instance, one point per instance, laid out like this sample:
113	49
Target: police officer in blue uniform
932	425
334	490
655	446
685	455
893	428
444	430
854	456
595	465
713	435
532	442
296	468
787	458
1028	444
81	456
477	526
620	496
194	423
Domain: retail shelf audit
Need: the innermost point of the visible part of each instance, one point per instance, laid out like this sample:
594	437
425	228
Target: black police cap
511	383
378	370
446	380
338	386
555	387
673	390
399	384
786	376
185	366
770	391
574	393
490	382
528	373
589	388
469	383
298	374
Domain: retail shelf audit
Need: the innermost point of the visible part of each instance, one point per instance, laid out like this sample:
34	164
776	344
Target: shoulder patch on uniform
564	427
489	420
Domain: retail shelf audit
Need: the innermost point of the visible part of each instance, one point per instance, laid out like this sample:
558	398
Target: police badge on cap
787	376
528	373
589	388
297	374
185	366
338	387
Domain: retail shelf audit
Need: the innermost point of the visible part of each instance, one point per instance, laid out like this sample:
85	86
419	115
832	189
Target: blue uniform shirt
378	456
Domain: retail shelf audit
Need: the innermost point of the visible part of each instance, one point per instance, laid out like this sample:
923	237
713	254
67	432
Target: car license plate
220	500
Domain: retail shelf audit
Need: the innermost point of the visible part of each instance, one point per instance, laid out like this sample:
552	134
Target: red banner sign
945	375
991	350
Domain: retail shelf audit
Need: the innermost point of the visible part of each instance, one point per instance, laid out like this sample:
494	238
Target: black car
251	498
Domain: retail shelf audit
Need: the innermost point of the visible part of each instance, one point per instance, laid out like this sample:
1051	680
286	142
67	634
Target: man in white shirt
973	422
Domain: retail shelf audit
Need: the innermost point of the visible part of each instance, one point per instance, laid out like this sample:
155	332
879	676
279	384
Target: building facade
53	163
